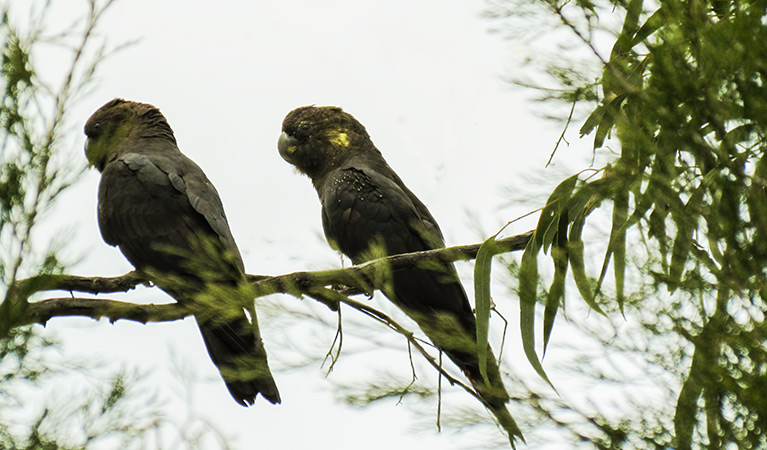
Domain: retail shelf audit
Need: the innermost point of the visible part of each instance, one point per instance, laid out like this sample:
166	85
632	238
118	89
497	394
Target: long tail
492	394
457	339
236	348
435	299
437	302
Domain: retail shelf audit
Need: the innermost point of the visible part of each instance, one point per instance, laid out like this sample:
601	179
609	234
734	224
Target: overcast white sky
425	78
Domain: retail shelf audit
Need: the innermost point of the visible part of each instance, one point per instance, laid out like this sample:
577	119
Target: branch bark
96	308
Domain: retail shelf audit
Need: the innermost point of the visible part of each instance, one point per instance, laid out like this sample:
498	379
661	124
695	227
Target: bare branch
348	281
91	285
114	310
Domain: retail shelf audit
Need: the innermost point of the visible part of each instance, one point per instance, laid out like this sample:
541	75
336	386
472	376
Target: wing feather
362	207
150	206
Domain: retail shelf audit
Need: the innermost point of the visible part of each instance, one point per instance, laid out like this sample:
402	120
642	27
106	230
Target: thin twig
503	336
395	326
339	337
439	397
564	130
412	369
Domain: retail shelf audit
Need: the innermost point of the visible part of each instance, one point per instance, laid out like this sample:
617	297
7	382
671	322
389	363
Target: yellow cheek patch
338	138
292	149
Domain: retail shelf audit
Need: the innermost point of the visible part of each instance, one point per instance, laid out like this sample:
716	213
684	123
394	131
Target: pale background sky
427	80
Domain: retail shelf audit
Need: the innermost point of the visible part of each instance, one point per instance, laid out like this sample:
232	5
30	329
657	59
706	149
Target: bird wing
159	209
431	232
153	205
362	207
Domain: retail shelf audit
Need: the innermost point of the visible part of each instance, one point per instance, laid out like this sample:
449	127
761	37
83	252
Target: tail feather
457	340
435	299
507	422
495	397
493	394
236	348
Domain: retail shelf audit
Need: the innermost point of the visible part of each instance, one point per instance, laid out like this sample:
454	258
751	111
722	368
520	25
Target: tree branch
348	281
92	285
42	311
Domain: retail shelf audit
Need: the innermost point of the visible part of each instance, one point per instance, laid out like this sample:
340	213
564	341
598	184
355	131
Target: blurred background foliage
677	106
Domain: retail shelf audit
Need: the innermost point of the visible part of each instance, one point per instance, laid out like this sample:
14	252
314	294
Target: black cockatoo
166	217
368	212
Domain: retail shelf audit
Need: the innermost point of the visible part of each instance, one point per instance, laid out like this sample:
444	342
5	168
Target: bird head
317	138
118	124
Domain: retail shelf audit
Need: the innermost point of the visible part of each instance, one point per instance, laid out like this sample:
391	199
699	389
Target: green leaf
575	256
548	224
482	299
551	231
644	202
625	40
528	290
618	243
651	196
556	294
611	111
650	26
616	185
594	119
602	274
683	242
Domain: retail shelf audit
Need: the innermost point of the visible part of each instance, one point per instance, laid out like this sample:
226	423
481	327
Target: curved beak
286	144
88	152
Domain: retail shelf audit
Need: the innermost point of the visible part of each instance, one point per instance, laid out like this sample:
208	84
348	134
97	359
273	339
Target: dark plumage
159	208
367	211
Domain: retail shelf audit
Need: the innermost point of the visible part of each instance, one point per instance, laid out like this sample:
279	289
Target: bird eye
304	129
93	129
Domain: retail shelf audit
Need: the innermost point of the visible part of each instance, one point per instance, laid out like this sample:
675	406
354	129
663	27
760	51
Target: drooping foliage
682	96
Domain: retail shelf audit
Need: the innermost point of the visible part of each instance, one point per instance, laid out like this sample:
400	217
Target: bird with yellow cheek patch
368	212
